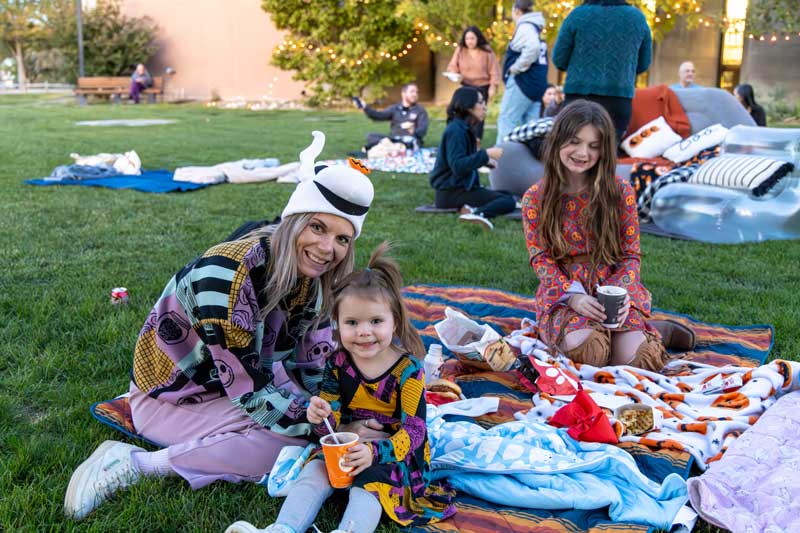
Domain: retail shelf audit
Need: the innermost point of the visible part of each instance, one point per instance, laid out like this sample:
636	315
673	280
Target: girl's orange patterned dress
555	278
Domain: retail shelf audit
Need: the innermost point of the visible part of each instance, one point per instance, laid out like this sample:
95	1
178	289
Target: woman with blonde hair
235	346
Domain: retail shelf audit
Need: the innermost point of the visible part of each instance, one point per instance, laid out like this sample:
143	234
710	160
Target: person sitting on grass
455	173
235	345
582	231
376	375
552	101
409	120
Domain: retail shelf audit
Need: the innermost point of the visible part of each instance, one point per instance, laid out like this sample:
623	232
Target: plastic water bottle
433	362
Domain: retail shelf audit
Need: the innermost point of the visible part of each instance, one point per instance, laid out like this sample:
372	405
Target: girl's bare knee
624	346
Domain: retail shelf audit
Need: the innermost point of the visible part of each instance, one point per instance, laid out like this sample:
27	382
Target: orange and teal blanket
718	346
744	348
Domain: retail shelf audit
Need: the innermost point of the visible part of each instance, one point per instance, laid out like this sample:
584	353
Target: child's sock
363	513
153	463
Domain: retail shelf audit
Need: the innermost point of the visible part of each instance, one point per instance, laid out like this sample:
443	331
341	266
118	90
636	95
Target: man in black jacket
409	120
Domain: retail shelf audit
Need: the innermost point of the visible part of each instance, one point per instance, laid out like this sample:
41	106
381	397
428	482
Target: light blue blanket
533	465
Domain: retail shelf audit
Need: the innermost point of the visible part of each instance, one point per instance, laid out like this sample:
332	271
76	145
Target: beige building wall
772	69
701	46
217	48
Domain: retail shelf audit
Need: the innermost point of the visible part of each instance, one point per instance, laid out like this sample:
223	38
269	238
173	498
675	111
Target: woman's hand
359	457
494	152
367	430
318	410
587	306
492	92
624	310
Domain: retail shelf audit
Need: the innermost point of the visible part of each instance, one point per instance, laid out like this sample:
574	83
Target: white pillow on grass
651	140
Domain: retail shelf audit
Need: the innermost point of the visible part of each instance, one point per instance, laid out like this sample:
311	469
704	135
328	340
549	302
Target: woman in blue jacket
455	173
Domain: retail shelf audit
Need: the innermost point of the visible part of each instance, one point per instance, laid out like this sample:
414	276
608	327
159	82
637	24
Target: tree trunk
22	79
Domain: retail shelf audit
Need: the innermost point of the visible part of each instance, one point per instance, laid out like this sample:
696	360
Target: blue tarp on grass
156	181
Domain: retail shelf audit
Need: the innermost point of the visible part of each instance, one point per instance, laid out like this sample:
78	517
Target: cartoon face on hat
340	190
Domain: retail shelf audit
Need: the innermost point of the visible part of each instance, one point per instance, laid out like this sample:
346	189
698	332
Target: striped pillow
747	172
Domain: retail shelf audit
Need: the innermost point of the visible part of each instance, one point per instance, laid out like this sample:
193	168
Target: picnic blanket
419	162
537	466
155	181
718	345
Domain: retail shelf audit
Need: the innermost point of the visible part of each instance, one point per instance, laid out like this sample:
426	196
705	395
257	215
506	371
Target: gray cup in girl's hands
612	299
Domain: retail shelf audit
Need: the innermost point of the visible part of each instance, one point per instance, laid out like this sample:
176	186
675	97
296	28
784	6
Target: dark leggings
477	128
486	202
618	107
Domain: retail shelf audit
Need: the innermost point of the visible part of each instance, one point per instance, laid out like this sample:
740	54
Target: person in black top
409	120
455	173
747	97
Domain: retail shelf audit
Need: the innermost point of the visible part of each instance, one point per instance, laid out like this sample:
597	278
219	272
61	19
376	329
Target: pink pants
208	441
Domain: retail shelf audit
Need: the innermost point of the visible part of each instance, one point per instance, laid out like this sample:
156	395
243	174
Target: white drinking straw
330	430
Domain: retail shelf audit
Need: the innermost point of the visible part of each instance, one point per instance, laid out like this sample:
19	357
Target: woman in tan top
478	66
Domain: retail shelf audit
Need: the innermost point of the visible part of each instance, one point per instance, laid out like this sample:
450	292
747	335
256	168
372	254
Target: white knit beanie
339	190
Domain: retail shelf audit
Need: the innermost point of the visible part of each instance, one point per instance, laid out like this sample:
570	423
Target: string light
562	10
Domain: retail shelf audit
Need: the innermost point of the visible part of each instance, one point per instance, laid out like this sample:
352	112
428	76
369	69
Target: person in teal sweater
603	45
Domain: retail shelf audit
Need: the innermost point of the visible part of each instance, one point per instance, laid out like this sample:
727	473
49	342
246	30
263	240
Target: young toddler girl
376	375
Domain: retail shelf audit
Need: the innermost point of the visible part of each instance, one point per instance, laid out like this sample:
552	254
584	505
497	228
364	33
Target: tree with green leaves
449	18
341	47
113	42
21	24
773	17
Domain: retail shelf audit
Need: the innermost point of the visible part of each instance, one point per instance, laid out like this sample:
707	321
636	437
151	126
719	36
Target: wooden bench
115	87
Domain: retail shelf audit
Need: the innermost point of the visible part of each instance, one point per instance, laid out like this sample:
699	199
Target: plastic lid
435	349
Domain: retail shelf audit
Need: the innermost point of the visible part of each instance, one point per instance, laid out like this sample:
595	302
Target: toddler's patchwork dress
400	473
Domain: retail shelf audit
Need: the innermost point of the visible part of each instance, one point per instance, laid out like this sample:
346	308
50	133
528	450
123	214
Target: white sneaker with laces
477	219
246	527
109	469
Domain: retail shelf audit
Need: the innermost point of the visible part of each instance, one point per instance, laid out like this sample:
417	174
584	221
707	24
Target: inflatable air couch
751	192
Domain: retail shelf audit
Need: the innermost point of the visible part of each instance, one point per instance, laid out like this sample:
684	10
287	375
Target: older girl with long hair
235	346
582	231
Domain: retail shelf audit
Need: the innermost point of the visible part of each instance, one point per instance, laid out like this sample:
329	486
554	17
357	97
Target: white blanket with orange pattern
700	424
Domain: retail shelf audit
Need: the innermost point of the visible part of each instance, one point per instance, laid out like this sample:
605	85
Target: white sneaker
246	527
109	469
477	219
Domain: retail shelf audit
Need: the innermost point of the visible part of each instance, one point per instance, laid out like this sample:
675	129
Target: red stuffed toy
585	419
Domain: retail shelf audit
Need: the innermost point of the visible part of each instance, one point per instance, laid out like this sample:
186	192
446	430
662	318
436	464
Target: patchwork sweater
204	339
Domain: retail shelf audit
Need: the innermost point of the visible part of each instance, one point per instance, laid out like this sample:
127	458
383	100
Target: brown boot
675	335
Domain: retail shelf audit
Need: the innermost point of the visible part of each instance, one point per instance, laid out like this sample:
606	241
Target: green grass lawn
62	249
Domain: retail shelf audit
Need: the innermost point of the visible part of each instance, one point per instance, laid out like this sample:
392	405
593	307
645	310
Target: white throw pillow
745	172
694	144
651	139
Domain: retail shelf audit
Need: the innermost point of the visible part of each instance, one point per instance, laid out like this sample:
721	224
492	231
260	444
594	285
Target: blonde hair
282	270
603	224
381	279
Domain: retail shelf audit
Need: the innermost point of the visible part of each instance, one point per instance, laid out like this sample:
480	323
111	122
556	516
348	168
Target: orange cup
334	453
